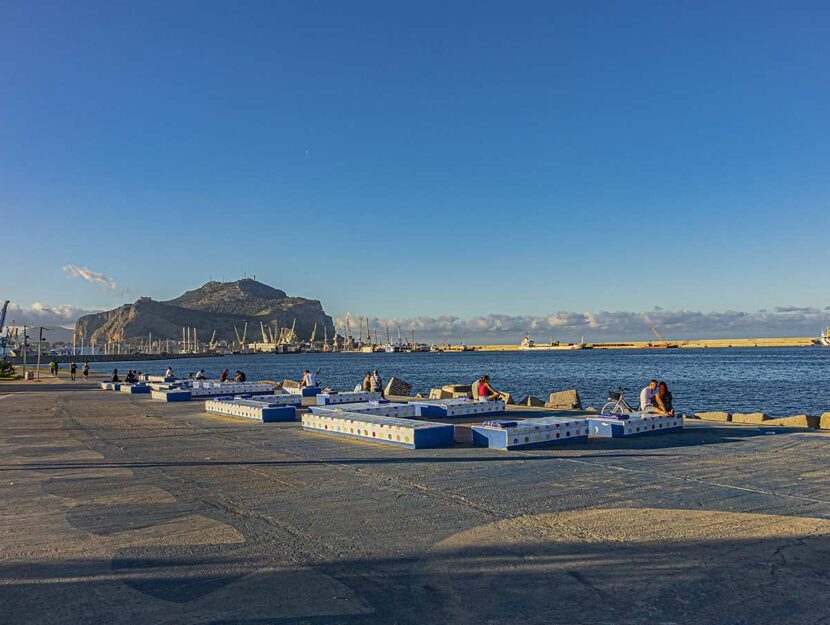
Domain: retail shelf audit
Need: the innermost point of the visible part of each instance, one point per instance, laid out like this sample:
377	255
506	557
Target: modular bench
110	386
457	407
134	389
156	378
266	412
634	425
327	399
215	390
528	433
386	430
381	409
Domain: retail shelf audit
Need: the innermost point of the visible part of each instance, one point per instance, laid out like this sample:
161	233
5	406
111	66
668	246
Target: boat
528	344
824	339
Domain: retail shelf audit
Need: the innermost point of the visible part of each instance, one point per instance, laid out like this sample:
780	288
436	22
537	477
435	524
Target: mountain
215	306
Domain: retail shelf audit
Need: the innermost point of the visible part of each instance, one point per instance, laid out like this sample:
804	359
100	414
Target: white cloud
39	314
74	271
609	326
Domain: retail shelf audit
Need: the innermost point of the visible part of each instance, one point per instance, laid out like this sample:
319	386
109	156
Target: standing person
663	400
73	369
377	384
57	368
367	383
85	371
647	397
53	368
223	377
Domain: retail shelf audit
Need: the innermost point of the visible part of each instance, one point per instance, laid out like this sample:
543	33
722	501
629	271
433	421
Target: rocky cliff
215	306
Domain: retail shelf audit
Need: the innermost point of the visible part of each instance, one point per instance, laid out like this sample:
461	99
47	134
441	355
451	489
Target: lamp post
25	349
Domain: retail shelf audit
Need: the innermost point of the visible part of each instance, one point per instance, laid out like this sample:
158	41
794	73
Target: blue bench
376	429
529	433
382	409
350	397
251	409
635	425
134	389
171	395
457	407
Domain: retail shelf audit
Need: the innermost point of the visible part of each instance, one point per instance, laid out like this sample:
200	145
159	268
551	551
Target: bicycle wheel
609	408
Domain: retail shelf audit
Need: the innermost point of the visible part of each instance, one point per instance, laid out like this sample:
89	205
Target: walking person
73	369
85	371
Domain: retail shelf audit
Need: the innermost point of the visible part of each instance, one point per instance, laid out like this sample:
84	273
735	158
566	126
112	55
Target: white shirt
647	397
310	379
168	373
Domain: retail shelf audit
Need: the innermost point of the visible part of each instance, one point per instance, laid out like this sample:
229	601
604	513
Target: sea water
778	381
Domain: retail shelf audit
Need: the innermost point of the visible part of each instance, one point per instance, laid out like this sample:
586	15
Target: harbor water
778	381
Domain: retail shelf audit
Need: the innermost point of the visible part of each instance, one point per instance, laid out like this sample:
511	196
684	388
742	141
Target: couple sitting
656	399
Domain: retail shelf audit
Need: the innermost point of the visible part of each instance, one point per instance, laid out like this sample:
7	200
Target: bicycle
617	403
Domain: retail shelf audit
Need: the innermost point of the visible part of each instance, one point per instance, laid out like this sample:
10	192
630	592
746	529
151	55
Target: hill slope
215	306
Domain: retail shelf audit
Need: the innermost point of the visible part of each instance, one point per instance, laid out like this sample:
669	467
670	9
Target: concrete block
714	416
251	409
457	389
291	384
749	417
529	433
383	409
507	399
439	393
564	400
824	421
634	426
349	397
460	407
377	429
796	421
398	388
532	401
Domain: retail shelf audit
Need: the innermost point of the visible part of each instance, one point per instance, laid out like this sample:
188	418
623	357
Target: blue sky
419	159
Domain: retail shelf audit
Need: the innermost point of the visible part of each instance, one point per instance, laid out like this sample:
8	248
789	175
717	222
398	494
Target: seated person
663	400
224	376
201	375
308	379
485	391
240	377
115	377
647	397
169	373
130	377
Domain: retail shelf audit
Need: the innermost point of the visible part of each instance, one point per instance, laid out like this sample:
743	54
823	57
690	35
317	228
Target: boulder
824	421
564	400
439	393
749	417
457	389
398	388
797	421
590	409
508	399
714	416
533	402
290	384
